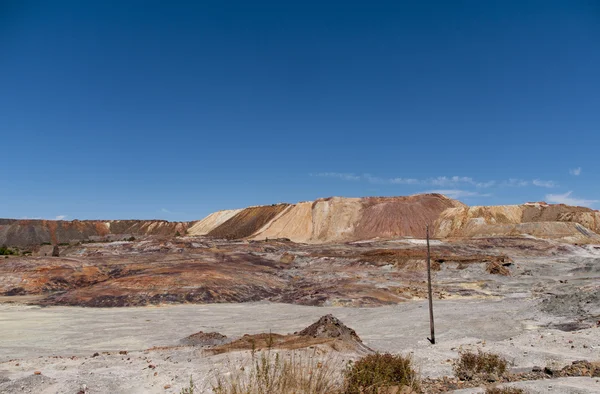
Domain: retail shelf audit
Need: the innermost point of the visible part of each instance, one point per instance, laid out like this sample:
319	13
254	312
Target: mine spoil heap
330	326
331	220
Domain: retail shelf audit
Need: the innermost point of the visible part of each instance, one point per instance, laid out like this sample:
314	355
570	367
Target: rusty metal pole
432	339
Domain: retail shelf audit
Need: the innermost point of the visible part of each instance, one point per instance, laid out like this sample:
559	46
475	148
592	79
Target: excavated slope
401	216
572	224
339	219
247	221
294	223
147	227
212	221
23	233
335	219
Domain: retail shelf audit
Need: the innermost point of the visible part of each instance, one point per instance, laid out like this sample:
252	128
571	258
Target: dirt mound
329	326
212	221
338	219
328	332
204	339
401	216
247	222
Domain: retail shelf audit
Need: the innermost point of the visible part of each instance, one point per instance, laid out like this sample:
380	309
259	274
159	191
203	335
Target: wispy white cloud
456	193
486	184
513	182
440	181
447	181
165	210
60	217
575	171
340	175
568	199
393	181
540	183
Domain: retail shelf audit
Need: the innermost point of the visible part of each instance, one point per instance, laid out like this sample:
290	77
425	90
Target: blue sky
152	109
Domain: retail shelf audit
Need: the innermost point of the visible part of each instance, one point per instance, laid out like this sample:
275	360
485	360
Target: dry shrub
271	372
470	364
496	268
505	390
375	372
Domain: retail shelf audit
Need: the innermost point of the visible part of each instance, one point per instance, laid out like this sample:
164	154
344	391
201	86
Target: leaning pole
432	339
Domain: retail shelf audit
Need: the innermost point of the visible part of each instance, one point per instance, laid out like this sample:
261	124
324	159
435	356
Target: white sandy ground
29	336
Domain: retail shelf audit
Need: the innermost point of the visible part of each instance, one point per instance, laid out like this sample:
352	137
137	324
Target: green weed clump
374	373
4	251
190	389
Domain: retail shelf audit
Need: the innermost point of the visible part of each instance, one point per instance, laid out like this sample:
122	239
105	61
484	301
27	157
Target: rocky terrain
158	270
140	306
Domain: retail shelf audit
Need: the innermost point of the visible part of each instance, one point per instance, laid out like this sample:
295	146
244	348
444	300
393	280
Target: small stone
37	373
536	369
95	354
167	386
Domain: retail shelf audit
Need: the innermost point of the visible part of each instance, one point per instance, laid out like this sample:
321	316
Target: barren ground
544	313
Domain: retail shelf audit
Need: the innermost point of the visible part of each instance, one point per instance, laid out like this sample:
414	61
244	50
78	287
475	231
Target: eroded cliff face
557	221
24	233
215	219
248	221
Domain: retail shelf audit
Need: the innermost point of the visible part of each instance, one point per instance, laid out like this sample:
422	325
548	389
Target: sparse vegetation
178	234
375	372
131	239
4	251
505	390
190	389
277	373
471	364
495	268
